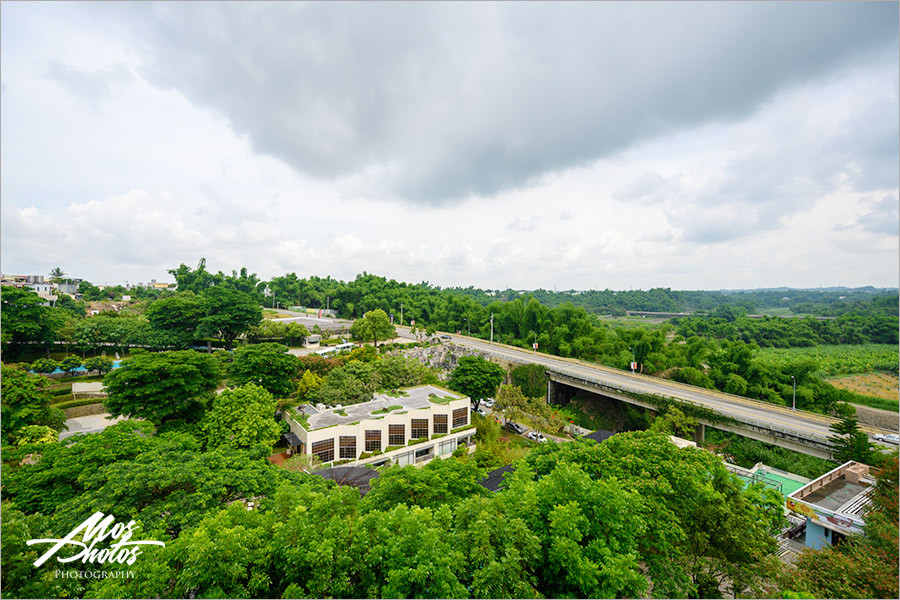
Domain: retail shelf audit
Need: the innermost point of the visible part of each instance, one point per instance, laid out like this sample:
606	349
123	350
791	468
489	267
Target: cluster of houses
50	290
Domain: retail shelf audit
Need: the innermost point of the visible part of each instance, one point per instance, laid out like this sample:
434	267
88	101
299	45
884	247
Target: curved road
743	409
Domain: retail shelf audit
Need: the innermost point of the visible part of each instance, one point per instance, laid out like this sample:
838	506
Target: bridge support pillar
699	433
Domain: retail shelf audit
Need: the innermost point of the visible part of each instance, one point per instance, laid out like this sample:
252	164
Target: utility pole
492	328
633	361
794	401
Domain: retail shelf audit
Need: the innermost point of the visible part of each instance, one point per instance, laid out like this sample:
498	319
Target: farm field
879	385
839	360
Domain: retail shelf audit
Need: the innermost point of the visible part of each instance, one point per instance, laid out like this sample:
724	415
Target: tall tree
852	443
241	418
162	386
24	402
178	315
268	365
476	377
57	274
26	319
375	325
228	313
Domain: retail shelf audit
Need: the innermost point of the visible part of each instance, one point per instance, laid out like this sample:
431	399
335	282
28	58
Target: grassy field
839	360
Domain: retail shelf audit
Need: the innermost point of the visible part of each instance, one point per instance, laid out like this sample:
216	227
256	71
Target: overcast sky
570	146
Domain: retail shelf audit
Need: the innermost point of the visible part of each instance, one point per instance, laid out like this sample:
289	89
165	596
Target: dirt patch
879	385
84	411
885	419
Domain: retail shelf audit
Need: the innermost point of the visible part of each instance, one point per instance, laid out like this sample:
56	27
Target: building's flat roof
409	399
835	493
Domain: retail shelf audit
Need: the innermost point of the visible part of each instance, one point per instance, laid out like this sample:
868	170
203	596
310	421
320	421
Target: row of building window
324	449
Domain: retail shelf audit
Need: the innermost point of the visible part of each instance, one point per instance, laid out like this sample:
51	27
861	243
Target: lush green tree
375	325
531	378
308	384
25	403
228	313
399	372
36	435
19	578
61	474
241	418
44	365
352	383
71	364
439	482
197	281
512	401
57	274
25	319
178	315
270	365
852	443
90	292
162	386
100	364
476	377
674	422
703	533
66	304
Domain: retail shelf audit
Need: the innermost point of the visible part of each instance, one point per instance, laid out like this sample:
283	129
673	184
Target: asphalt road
743	409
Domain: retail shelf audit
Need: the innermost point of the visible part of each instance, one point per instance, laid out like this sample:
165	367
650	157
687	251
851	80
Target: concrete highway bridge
799	430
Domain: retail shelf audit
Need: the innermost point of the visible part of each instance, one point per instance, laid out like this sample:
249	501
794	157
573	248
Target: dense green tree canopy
228	313
25	319
25	403
241	418
375	325
269	365
476	377
162	386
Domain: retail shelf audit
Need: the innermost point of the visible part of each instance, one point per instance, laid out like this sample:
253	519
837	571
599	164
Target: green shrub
79	402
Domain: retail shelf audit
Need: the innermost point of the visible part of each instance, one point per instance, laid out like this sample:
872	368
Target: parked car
890	438
532	435
515	427
541	438
489	402
481	412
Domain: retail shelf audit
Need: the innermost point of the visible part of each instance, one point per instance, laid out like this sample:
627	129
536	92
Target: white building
412	427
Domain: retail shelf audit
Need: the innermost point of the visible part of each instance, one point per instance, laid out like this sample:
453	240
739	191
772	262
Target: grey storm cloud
430	102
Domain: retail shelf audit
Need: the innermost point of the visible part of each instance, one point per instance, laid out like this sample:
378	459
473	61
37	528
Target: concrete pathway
89	424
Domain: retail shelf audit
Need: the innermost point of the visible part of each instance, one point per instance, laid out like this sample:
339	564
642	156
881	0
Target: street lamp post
492	328
633	360
794	401
468	326
534	347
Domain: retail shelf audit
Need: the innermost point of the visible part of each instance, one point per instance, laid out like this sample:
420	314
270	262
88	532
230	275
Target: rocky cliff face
441	357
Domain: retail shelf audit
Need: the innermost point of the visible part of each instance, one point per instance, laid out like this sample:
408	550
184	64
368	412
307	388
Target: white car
489	402
890	438
481	412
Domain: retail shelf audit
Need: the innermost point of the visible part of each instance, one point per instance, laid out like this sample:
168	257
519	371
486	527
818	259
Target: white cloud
116	170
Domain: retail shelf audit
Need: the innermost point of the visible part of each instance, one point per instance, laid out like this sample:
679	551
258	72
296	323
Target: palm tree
56	274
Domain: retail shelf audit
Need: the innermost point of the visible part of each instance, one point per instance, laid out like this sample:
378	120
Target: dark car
515	427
